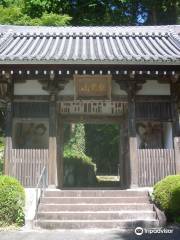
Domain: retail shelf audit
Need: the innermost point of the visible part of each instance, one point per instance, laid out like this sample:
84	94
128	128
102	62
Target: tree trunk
154	15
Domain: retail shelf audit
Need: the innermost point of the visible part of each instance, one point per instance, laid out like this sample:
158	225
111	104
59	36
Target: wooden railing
154	165
93	107
27	164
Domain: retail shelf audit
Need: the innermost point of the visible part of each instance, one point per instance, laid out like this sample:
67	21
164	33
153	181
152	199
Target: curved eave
89	62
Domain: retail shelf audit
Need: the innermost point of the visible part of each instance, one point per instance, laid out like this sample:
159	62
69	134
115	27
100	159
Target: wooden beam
31	98
153	98
92	119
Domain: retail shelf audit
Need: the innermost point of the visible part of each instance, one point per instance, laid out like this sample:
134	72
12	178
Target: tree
102	145
47	19
10	3
162	11
96	12
74	137
14	15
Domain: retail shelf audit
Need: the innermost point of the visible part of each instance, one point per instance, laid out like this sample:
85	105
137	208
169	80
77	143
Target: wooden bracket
53	85
6	87
130	87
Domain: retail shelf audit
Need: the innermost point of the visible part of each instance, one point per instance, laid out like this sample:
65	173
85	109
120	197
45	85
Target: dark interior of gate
124	76
94	154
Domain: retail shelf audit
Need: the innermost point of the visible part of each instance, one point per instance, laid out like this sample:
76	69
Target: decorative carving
92	107
53	84
131	87
6	87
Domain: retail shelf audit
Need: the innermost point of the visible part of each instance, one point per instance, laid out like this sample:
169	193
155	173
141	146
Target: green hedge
166	195
12	201
79	170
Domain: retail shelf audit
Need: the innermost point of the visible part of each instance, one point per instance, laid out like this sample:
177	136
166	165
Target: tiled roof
78	45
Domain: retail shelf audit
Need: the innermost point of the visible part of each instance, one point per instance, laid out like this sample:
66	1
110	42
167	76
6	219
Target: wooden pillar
121	155
60	141
8	138
52	171
133	160
123	150
174	110
177	154
175	125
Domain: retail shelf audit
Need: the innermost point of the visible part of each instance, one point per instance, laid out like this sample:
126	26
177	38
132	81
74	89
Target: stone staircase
73	209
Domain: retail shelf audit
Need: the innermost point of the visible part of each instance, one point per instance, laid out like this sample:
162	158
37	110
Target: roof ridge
91	31
163	28
87	34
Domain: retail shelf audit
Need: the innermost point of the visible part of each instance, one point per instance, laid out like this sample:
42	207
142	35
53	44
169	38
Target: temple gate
110	75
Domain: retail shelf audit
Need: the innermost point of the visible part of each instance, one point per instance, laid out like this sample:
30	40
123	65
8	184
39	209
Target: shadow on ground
148	234
88	234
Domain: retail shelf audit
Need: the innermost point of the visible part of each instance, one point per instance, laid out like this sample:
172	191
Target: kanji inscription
92	86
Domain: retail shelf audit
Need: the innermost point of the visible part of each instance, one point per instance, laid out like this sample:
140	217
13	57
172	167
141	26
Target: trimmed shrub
79	170
12	201
166	194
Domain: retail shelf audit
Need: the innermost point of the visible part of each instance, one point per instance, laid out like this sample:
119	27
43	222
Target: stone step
95	207
95	193
98	200
136	215
79	224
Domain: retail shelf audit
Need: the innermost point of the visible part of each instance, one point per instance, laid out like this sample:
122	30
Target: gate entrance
91	155
91	114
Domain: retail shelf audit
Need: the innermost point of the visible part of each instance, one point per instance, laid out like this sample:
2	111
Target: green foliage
12	200
14	15
10	3
79	170
10	15
76	138
91	12
177	219
115	12
102	144
35	8
47	19
166	195
162	11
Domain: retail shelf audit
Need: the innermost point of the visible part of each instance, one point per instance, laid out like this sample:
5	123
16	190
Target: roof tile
82	44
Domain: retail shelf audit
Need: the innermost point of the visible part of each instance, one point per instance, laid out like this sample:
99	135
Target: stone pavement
87	235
